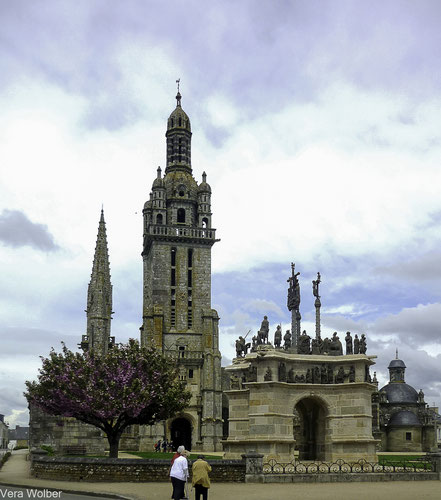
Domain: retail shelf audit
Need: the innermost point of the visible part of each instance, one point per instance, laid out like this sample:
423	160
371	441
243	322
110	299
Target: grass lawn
399	460
153	454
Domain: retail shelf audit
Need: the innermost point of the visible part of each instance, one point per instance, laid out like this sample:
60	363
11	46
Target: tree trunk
113	444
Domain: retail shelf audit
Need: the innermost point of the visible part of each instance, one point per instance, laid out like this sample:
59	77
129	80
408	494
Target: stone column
253	467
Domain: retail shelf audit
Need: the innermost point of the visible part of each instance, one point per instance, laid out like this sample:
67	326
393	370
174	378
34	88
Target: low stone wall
124	469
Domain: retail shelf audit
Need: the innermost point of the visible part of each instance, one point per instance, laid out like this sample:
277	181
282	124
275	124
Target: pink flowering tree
129	385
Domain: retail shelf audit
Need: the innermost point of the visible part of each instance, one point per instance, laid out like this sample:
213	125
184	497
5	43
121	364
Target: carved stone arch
310	425
181	430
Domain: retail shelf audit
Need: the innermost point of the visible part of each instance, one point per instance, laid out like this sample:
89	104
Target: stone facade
64	435
177	314
276	409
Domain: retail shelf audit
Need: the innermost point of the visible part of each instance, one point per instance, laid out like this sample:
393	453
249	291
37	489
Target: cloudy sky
318	124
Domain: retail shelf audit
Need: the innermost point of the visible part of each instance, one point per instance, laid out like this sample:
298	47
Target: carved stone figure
293	290
374	379
323	374
240	346
352	374
335	348
278	336
316	376
304	343
254	343
363	345
268	375
264	330
282	372
367	375
330	374
340	377
421	396
290	377
308	376
252	377
287	340
348	340
315	286
326	346
234	381
315	346
356	345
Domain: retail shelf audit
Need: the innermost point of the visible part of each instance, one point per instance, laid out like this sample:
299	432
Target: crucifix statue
294	304
317	303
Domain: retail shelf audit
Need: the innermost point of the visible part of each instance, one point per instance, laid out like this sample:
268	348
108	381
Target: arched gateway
181	433
309	428
310	407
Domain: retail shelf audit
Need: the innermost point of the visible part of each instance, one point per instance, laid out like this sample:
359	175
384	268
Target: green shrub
4	458
49	449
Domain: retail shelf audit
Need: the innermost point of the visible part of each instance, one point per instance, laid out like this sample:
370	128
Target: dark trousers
200	490
178	488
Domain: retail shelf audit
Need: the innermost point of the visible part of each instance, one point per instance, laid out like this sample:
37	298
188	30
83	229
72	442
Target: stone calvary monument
302	397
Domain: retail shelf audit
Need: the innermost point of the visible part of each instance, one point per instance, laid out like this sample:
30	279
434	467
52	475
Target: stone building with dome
402	420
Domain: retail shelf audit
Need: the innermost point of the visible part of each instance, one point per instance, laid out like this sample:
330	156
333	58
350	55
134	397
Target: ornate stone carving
268	375
363	345
356	345
304	344
278	336
282	372
340	377
287	340
348	340
351	373
264	331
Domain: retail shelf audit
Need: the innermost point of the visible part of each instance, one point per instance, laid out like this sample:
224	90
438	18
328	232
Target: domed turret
204	187
158	183
178	118
397	391
178	139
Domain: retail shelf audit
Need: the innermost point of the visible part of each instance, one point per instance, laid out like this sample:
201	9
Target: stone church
402	420
177	317
304	398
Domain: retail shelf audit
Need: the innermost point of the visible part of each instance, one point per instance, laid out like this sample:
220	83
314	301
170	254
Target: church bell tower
177	313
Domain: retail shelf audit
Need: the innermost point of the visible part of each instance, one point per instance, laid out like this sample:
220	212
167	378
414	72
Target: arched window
159	219
181	215
204	222
180	121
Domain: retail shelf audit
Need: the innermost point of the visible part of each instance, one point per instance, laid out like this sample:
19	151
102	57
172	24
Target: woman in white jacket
179	474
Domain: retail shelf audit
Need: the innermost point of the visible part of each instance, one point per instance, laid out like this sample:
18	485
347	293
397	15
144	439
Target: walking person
200	479
179	474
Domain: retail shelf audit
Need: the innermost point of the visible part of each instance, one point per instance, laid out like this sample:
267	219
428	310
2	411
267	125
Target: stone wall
119	470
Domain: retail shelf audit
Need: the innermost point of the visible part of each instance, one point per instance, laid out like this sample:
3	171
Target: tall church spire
99	297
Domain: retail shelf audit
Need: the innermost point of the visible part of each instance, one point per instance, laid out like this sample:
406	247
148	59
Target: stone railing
186	356
181	231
